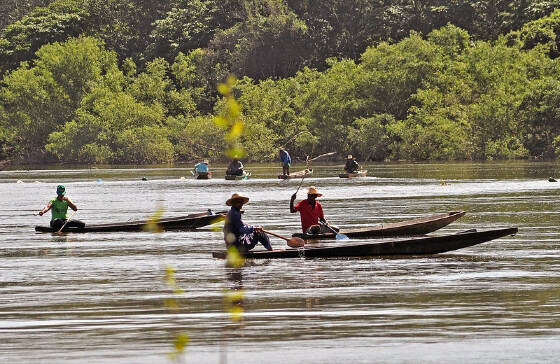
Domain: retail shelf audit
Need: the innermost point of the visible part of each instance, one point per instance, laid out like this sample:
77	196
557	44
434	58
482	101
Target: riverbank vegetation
105	81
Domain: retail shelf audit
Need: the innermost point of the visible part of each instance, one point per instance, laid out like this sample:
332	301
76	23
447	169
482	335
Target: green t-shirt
59	209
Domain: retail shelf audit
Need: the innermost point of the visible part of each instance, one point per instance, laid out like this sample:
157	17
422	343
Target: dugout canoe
188	222
300	174
360	173
427	245
203	175
419	226
232	177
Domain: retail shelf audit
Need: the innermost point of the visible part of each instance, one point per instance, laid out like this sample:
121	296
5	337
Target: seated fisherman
351	165
235	167
311	213
59	210
244	237
201	167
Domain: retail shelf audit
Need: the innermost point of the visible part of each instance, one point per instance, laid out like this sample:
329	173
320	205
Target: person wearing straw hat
235	167
202	166
236	233
311	213
59	210
351	165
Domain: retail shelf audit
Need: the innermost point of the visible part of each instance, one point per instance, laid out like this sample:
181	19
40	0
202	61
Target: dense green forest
137	81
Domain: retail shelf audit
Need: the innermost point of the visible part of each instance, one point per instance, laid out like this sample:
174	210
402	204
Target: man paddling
244	237
235	167
59	210
351	165
311	212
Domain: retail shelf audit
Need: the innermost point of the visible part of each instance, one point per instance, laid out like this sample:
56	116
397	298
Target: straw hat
349	156
237	196
206	161
313	191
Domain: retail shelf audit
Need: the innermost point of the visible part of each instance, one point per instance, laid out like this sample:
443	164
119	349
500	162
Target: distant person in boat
311	213
59	210
351	165
244	237
202	167
235	167
286	161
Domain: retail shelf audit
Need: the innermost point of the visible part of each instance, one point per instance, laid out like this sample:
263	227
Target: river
103	297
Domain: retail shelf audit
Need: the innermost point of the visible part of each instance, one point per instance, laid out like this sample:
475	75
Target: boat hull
188	222
203	175
420	226
362	173
301	174
428	245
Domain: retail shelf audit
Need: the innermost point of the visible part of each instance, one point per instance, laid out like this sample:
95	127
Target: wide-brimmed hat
60	190
206	161
237	196
349	156
313	191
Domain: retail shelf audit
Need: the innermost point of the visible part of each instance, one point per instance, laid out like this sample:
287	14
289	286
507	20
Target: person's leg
76	224
239	172
263	239
313	229
57	223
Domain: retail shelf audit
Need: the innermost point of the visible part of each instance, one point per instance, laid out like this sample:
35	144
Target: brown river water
103	297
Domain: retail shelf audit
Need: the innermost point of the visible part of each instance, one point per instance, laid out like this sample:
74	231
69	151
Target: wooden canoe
412	246
203	175
300	174
232	177
420	226
361	173
188	222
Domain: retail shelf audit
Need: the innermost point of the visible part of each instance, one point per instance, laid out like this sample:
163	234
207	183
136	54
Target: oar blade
295	242
340	236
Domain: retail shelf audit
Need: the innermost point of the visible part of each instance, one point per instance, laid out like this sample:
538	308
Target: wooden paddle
292	242
70	218
338	236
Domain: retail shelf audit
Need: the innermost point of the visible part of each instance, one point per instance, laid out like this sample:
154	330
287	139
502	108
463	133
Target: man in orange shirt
311	213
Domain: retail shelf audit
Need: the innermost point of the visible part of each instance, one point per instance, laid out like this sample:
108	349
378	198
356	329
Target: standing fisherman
286	161
59	210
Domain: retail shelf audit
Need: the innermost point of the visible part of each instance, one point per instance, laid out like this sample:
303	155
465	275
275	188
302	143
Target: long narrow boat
188	222
232	177
360	173
203	175
420	226
300	174
413	246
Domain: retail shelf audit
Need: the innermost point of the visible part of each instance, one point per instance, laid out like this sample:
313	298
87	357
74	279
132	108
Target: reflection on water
100	297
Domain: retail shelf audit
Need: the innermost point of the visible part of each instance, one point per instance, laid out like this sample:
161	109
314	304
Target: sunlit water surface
101	297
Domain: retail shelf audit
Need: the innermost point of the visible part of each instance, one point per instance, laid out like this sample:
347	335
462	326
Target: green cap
60	190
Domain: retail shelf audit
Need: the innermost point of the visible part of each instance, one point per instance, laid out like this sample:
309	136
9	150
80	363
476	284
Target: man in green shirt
59	210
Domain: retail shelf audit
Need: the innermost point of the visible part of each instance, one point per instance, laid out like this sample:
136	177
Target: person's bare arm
292	208
45	209
71	204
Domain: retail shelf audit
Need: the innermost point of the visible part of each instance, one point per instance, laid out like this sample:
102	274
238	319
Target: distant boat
203	175
232	177
188	222
407	247
300	174
360	173
419	226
